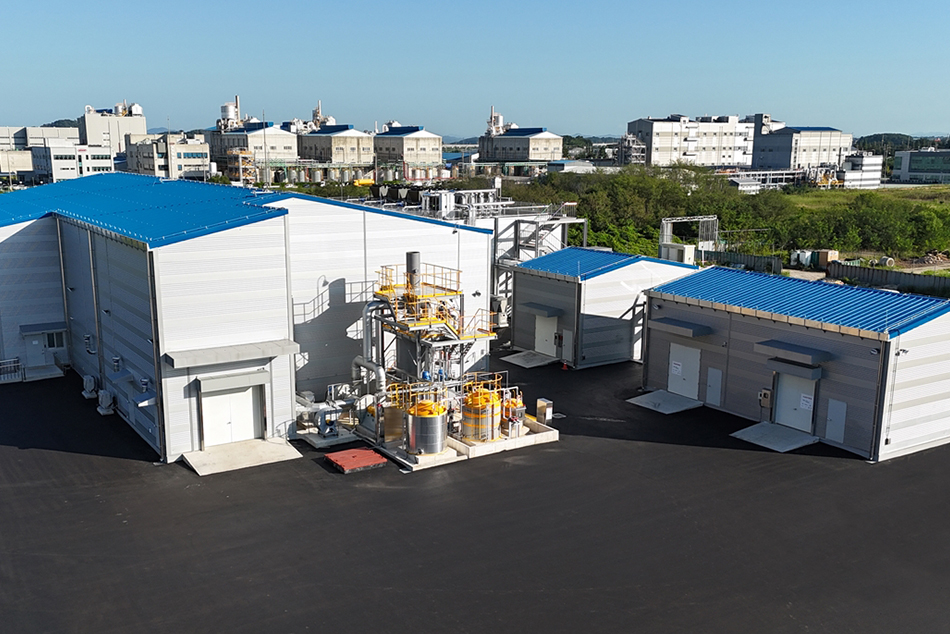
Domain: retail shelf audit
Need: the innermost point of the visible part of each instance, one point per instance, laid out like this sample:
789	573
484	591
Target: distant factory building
708	141
857	368
59	160
781	147
409	152
23	138
338	144
929	165
168	155
585	306
508	143
108	127
861	170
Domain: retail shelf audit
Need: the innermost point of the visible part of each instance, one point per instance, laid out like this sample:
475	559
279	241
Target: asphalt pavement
633	522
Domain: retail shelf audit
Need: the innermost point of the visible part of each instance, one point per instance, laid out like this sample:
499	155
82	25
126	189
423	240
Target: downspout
156	357
884	370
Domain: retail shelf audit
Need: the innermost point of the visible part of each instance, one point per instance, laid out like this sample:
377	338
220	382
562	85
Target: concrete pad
665	402
240	455
529	359
315	440
41	373
775	437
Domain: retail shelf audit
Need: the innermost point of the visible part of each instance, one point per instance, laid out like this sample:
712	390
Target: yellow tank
481	415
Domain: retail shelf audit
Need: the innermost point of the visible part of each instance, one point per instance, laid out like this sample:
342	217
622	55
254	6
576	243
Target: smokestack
413	267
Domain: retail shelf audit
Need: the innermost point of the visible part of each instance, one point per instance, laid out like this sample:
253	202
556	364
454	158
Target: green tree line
624	212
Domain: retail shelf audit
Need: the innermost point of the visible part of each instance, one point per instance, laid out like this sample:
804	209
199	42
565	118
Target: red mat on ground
352	460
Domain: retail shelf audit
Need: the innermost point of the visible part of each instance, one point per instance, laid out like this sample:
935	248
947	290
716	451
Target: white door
795	402
684	371
35	351
544	329
834	423
714	386
567	346
230	416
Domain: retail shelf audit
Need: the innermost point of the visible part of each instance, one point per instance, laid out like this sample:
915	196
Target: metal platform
775	437
665	402
530	359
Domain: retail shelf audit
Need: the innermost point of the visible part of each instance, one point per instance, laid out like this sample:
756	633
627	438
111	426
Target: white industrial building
585	306
410	152
25	137
339	144
857	368
706	141
264	140
58	160
168	155
196	310
861	170
929	165
781	147
108	127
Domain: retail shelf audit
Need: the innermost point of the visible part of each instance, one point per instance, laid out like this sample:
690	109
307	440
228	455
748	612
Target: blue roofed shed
862	369
585	306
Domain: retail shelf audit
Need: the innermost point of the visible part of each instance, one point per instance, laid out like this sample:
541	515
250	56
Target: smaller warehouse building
585	306
861	369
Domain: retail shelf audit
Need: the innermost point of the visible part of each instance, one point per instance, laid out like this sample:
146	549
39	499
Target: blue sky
575	68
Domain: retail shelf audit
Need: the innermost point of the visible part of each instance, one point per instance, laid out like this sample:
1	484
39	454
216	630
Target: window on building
179	155
55	340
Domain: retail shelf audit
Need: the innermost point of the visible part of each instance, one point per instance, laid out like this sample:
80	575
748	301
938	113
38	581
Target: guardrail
10	370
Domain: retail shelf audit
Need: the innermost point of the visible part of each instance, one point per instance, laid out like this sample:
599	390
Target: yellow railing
407	395
479	325
434	281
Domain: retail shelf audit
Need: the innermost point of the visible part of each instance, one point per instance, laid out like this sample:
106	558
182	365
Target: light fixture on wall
116	363
875	351
657	307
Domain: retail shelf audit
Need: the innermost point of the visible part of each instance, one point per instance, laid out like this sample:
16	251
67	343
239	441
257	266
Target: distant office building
781	147
14	165
168	155
419	151
25	137
708	141
861	170
929	165
108	127
59	160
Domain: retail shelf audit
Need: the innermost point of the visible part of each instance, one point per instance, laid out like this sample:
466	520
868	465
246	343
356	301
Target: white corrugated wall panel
608	308
31	287
336	253
227	288
917	413
126	328
81	318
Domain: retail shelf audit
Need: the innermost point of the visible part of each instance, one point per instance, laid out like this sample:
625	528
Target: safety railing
10	370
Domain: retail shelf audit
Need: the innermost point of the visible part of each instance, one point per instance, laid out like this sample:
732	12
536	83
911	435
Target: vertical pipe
413	267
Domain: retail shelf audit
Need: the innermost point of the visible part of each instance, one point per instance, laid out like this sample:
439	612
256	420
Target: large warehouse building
858	368
194	311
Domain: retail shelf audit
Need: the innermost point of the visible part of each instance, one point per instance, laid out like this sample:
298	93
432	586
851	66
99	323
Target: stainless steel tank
426	428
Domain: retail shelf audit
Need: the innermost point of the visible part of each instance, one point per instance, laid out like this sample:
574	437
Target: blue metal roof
794	128
144	208
332	129
851	306
524	131
402	130
585	263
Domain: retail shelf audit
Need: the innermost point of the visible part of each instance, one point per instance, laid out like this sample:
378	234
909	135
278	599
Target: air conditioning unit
89	386
105	403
